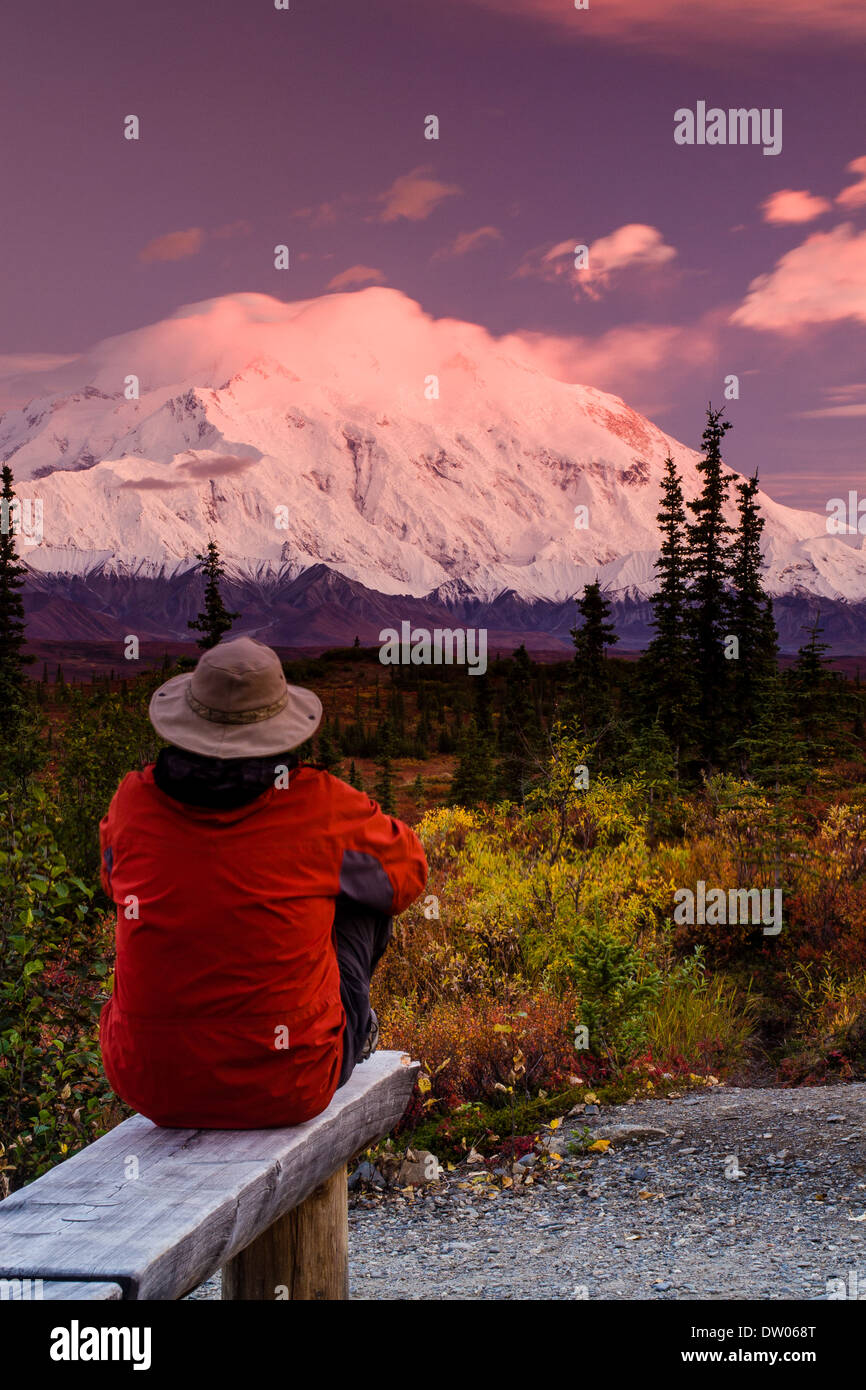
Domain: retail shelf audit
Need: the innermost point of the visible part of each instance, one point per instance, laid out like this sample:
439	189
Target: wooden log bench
150	1213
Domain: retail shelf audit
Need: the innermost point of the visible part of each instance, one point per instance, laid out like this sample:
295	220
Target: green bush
105	737
54	973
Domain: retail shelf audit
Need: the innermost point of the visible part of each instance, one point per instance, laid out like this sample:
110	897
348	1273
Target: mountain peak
357	432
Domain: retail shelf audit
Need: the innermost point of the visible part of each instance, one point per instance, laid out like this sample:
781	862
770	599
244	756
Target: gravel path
745	1194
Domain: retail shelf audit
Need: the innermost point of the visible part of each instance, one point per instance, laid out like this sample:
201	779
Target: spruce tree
751	612
327	753
591	675
668	684
519	732
215	619
14	695
354	778
708	570
383	789
474	777
813	687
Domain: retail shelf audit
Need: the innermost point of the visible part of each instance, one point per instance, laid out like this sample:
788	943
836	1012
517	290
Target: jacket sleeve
381	860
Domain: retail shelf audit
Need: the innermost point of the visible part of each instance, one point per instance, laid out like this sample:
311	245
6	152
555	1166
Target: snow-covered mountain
409	455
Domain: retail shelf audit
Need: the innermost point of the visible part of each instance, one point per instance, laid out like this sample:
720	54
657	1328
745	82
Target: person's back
227	1008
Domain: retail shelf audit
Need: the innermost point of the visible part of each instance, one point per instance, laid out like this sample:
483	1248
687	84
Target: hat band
236	716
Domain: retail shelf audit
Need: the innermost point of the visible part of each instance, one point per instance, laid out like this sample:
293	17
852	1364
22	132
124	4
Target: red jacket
226	1009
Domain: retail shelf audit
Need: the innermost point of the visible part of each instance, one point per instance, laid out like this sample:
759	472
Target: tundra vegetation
562	805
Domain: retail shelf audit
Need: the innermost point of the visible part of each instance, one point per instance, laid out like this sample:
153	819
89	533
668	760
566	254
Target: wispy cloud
465	242
633	246
179	246
675	25
357	275
327	214
174	246
792	205
822	281
634	360
855	195
414	196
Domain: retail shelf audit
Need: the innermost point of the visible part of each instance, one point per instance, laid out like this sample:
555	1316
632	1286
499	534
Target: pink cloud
174	246
855	196
232	229
821	281
326	214
791	205
414	196
634	360
357	275
465	242
674	25
633	246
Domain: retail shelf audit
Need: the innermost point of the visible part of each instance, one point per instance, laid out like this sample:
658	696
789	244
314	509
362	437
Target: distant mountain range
359	463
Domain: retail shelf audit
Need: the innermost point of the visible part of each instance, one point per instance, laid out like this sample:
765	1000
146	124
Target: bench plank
200	1197
55	1290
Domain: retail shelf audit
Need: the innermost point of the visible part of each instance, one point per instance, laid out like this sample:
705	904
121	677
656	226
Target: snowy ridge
248	405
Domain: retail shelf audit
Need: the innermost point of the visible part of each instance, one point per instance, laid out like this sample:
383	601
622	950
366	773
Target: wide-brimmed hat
235	704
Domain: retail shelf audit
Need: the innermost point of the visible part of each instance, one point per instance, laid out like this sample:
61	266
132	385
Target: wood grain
200	1197
302	1256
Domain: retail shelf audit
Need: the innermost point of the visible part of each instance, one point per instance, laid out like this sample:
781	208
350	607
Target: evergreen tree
215	619
474	777
667	676
327	753
483	705
383	789
519	732
354	778
12	573
813	687
591	675
18	750
751	612
708	569
780	773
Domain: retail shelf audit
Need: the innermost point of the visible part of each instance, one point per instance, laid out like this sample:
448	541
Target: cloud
220	466
174	246
821	281
465	242
149	484
357	275
413	196
846	404
675	25
791	205
855	196
232	229
633	360
633	246
326	214
834	411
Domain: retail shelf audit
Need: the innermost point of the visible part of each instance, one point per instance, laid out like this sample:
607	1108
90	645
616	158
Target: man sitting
241	996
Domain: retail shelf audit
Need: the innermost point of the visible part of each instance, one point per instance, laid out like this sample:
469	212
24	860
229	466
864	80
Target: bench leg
303	1255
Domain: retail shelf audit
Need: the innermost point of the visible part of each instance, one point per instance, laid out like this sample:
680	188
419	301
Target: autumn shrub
467	1047
55	956
106	736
